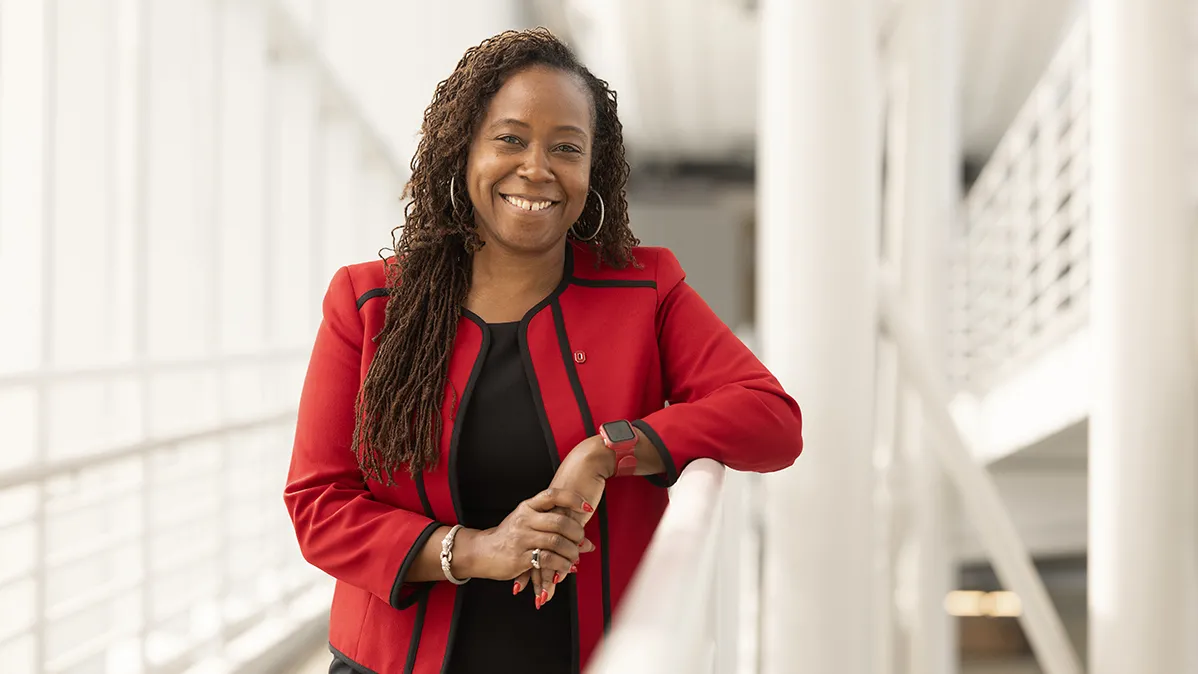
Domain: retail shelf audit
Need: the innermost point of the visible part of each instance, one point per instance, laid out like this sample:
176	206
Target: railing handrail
672	583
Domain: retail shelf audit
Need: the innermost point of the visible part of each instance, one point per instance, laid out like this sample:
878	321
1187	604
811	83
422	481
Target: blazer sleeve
723	403
341	528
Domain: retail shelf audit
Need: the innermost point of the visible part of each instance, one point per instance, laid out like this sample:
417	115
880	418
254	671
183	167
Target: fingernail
573	568
557	577
544	597
538	602
586	507
516	587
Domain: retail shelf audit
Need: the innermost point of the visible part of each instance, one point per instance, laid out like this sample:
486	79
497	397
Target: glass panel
82	182
244	397
71	631
179	128
291	235
83	404
19	599
19	543
20	654
242	178
18	419
22	127
127	131
17	505
183	401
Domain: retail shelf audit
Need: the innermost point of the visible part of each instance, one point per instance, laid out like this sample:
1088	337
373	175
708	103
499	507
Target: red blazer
607	344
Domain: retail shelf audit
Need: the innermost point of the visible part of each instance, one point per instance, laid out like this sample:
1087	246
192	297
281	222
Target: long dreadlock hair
398	410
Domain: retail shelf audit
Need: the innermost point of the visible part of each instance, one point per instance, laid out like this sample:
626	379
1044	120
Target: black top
503	459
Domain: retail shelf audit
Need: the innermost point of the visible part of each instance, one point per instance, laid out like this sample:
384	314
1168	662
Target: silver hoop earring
602	215
452	199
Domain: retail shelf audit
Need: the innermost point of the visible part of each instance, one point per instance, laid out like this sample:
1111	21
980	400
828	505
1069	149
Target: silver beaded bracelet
447	555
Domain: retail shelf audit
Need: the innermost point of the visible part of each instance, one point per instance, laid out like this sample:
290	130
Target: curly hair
398	410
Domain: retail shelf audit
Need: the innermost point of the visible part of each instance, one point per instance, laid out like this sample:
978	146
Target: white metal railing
665	620
1022	272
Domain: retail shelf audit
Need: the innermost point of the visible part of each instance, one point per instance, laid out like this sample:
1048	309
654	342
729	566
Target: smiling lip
528	204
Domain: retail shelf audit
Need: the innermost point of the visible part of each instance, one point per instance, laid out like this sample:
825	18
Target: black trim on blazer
454	437
667	460
424	502
417	630
398	601
371	294
345	660
612	283
588	422
526	355
456	434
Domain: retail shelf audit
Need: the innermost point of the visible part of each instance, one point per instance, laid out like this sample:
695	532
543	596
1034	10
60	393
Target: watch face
619	431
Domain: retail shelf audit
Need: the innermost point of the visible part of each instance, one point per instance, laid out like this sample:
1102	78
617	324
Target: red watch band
620	437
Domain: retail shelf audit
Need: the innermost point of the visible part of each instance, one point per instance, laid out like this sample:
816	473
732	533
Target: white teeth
528	205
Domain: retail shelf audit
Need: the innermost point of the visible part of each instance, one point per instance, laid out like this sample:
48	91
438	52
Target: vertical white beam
819	181
1143	439
931	185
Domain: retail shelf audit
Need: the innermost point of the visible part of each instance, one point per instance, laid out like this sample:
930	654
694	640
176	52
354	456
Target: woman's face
529	168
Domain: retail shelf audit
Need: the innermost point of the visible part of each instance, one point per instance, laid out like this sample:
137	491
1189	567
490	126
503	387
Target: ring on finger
536	559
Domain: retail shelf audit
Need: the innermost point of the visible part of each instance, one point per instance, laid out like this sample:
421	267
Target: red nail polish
516	587
557	577
586	507
538	602
544	597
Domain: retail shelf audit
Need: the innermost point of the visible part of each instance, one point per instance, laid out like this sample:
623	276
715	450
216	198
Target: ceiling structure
686	70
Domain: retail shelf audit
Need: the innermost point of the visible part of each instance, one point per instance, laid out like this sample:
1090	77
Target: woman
464	432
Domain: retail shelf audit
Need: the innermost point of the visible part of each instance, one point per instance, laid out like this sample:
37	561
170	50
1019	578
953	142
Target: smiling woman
464	432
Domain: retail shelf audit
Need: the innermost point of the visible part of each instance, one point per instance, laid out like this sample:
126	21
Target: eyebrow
515	122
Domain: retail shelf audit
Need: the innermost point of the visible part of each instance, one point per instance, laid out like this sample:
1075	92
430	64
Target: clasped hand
553	521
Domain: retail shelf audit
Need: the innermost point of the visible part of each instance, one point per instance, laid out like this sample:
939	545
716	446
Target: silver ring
536	559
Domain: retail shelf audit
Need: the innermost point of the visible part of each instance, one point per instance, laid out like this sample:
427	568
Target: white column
931	167
1143	440
819	181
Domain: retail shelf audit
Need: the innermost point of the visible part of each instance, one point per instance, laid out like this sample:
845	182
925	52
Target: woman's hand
549	521
584	471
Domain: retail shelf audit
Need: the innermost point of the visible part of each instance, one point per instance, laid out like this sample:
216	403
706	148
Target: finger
549	587
521	582
586	546
554	569
548	542
581	518
552	498
556	523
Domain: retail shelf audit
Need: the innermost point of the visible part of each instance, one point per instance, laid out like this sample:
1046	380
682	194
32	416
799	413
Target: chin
529	239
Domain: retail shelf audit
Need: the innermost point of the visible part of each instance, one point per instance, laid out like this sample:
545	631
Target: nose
535	167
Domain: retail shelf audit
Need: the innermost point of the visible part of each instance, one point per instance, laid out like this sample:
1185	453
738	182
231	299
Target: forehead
542	95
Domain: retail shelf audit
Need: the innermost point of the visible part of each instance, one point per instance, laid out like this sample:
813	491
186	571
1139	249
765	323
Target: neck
514	274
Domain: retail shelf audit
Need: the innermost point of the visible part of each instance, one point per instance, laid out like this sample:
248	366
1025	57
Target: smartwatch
621	439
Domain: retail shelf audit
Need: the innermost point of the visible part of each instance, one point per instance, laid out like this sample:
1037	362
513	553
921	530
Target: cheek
577	184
